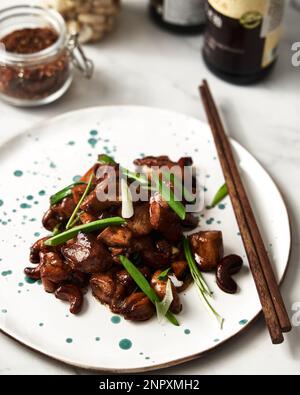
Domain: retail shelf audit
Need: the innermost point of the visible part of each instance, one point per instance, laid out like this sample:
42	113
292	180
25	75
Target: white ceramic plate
45	159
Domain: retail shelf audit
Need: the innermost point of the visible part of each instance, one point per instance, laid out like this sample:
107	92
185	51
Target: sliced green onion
67	191
73	223
220	195
193	267
106	160
71	219
144	285
90	227
178	185
135	176
163	274
163	307
199	280
168	196
127	205
56	230
174	280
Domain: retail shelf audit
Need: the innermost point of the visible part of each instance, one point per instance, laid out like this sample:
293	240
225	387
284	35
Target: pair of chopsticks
271	300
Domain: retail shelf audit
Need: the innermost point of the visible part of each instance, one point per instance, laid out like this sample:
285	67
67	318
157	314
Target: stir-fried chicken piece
86	218
179	268
147	164
124	286
87	254
164	248
163	160
164	220
116	252
154	259
79	278
208	248
53	270
116	236
112	287
96	202
137	307
149	252
103	287
92	205
116	289
124	278
140	224
106	192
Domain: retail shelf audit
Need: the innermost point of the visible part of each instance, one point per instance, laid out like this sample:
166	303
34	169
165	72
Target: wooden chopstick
234	184
252	224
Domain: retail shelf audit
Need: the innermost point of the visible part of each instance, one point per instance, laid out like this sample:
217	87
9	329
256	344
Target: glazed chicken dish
93	240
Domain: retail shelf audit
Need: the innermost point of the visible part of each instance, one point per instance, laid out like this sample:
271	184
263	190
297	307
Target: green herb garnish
164	274
67	191
199	280
168	196
144	285
56	230
135	176
106	160
178	185
163	306
90	227
71	221
127	205
194	268
220	195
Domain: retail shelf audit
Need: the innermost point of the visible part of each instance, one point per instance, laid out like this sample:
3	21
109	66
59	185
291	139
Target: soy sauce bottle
179	16
241	38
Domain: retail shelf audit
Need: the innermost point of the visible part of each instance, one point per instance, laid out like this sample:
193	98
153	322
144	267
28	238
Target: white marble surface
140	64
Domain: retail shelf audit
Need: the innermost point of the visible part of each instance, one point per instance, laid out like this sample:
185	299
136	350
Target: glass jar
36	78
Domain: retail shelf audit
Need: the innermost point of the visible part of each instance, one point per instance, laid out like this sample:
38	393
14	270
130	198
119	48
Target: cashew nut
71	293
93	19
33	272
228	266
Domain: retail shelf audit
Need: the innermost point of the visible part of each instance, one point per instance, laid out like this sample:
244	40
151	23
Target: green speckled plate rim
175	362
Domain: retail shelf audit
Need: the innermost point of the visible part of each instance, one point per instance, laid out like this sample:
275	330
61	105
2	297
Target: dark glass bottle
241	38
179	16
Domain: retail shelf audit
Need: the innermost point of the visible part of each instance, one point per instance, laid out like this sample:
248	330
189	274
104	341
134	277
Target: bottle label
184	12
242	36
